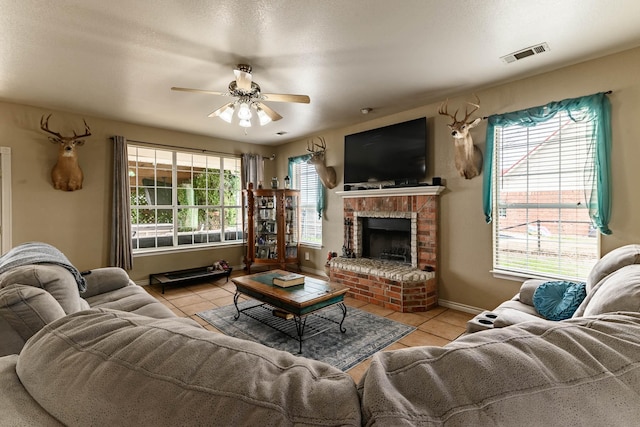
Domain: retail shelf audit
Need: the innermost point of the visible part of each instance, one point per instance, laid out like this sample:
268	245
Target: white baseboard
460	307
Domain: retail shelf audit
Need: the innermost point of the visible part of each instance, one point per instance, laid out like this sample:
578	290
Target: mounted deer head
468	157
327	174
66	174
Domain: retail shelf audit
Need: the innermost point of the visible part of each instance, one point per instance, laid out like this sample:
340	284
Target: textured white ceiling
118	59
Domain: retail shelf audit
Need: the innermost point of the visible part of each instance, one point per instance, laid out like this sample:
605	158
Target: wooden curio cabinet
272	227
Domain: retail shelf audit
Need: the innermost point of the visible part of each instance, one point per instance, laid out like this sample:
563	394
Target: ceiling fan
249	96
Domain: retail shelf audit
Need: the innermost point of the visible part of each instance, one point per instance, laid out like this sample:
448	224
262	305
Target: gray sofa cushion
56	280
577	372
103	367
105	279
512	312
617	258
24	310
17	407
132	298
619	291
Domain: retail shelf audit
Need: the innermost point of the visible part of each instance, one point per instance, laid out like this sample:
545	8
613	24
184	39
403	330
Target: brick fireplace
401	286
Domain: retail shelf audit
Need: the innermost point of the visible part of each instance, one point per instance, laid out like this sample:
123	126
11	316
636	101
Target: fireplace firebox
387	239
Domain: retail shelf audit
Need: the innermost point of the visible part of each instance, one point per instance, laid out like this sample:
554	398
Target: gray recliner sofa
612	285
34	295
104	367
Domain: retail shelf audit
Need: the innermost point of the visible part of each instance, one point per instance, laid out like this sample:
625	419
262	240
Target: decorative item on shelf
259	185
274	183
287	182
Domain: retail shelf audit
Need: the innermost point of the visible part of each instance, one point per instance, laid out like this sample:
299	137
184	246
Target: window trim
175	207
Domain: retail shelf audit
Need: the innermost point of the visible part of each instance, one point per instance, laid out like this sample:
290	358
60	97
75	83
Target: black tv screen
391	153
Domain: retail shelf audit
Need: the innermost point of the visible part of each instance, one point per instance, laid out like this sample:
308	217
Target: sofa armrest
24	310
528	288
103	280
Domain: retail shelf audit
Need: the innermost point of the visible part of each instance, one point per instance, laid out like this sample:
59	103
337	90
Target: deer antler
443	111
44	125
87	131
311	145
476	105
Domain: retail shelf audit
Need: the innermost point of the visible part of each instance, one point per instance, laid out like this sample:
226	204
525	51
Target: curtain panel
320	203
596	108
252	169
121	249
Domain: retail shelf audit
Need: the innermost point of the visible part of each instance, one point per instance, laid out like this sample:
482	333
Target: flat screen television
392	153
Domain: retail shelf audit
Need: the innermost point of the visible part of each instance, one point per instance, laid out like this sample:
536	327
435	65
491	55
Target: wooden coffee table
295	301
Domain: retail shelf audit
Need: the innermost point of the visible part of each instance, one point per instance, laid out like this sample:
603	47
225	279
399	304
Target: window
182	199
545	191
305	179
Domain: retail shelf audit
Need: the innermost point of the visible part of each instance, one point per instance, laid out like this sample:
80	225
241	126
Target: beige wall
79	222
465	239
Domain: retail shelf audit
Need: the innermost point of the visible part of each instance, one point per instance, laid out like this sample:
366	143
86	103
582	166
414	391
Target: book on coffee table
287	280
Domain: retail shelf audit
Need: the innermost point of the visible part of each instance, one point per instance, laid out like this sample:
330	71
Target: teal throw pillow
558	300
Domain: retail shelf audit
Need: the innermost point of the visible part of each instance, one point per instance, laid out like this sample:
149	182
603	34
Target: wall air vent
524	53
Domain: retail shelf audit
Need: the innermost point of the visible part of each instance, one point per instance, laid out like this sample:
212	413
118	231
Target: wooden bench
191	275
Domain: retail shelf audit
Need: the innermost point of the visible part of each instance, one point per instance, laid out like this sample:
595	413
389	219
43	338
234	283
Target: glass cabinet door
291	225
266	228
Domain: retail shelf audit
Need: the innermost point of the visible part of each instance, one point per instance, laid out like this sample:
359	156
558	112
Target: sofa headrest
26	310
618	291
617	258
110	367
56	280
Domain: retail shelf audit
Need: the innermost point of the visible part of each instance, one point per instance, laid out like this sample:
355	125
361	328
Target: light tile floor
434	327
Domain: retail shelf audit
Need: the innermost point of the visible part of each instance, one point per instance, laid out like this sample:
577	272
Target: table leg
344	314
235	302
300	324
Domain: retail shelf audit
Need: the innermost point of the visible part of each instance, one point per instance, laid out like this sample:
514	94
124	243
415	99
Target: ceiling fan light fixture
245	123
227	114
263	117
244	112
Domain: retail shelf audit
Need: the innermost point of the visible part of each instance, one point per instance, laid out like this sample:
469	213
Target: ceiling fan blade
283	97
272	114
208	92
220	110
243	80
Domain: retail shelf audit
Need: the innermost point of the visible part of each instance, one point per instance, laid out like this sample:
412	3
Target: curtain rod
609	92
199	150
178	147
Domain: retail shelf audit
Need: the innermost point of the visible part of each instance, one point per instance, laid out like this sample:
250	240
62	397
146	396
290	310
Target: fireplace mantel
426	190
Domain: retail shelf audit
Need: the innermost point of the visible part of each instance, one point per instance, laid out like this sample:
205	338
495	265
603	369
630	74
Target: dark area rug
365	334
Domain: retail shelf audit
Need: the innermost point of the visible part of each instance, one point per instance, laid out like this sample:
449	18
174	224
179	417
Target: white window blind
542	227
306	180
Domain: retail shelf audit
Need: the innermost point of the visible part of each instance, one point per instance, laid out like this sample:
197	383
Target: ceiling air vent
524	53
